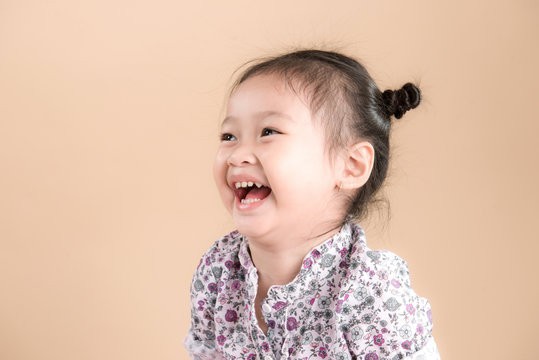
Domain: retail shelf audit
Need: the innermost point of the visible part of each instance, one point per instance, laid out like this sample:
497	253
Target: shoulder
388	266
374	264
377	268
219	258
226	246
222	250
216	266
387	315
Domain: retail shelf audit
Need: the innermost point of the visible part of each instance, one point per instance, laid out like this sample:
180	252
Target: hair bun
400	101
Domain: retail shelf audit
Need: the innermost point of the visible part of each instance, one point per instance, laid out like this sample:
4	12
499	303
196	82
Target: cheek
295	173
219	171
219	176
304	162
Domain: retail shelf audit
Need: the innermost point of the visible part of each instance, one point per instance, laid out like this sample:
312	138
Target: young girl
304	149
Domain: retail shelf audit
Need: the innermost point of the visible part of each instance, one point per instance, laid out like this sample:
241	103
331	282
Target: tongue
257	193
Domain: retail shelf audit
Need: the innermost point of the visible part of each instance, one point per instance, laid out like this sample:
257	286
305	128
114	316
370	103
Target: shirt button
266	308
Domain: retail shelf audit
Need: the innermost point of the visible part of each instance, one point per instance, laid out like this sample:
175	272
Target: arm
200	340
395	322
429	351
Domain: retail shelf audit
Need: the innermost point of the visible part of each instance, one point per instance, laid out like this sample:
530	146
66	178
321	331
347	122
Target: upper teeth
245	184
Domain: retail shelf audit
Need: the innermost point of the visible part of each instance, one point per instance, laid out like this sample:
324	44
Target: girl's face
269	138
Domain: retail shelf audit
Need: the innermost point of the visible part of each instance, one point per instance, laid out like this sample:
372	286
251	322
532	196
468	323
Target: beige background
108	127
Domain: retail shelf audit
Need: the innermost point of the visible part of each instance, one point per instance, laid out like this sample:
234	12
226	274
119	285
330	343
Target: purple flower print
395	283
229	264
338	307
231	316
379	339
307	263
316	254
265	346
221	339
410	308
371	356
212	287
251	357
200	305
406	345
236	285
419	329
271	324
322	352
279	305
291	323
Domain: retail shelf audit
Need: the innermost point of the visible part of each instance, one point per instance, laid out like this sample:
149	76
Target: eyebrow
262	115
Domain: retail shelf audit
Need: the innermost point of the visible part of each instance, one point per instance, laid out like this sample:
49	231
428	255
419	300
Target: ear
357	164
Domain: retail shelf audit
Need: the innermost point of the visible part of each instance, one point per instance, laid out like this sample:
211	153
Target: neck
278	263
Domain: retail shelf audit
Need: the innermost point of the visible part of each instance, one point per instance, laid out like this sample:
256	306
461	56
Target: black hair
350	105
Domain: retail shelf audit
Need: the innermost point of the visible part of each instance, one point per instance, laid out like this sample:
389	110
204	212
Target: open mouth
249	194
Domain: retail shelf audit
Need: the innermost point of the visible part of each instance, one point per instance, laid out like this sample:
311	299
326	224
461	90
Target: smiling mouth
250	194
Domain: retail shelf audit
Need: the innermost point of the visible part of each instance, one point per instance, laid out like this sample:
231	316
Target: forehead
261	115
264	96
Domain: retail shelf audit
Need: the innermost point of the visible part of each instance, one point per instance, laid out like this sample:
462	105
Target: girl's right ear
357	165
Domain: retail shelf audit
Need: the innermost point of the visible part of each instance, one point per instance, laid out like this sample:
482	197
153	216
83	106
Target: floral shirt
347	302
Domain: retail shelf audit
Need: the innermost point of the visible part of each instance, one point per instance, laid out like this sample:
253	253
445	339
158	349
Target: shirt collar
320	261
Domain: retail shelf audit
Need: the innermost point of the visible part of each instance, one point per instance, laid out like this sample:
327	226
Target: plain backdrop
109	112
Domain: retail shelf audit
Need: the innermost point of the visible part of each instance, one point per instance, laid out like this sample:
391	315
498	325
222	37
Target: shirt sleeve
393	322
200	339
428	352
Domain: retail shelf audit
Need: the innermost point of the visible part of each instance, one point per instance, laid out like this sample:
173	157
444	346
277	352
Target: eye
227	137
268	131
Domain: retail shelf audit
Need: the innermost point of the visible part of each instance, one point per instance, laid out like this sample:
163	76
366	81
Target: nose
241	155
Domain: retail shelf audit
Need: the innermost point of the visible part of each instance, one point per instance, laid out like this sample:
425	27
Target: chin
250	227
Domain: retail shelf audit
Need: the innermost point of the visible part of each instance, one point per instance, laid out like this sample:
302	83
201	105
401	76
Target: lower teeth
243	201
